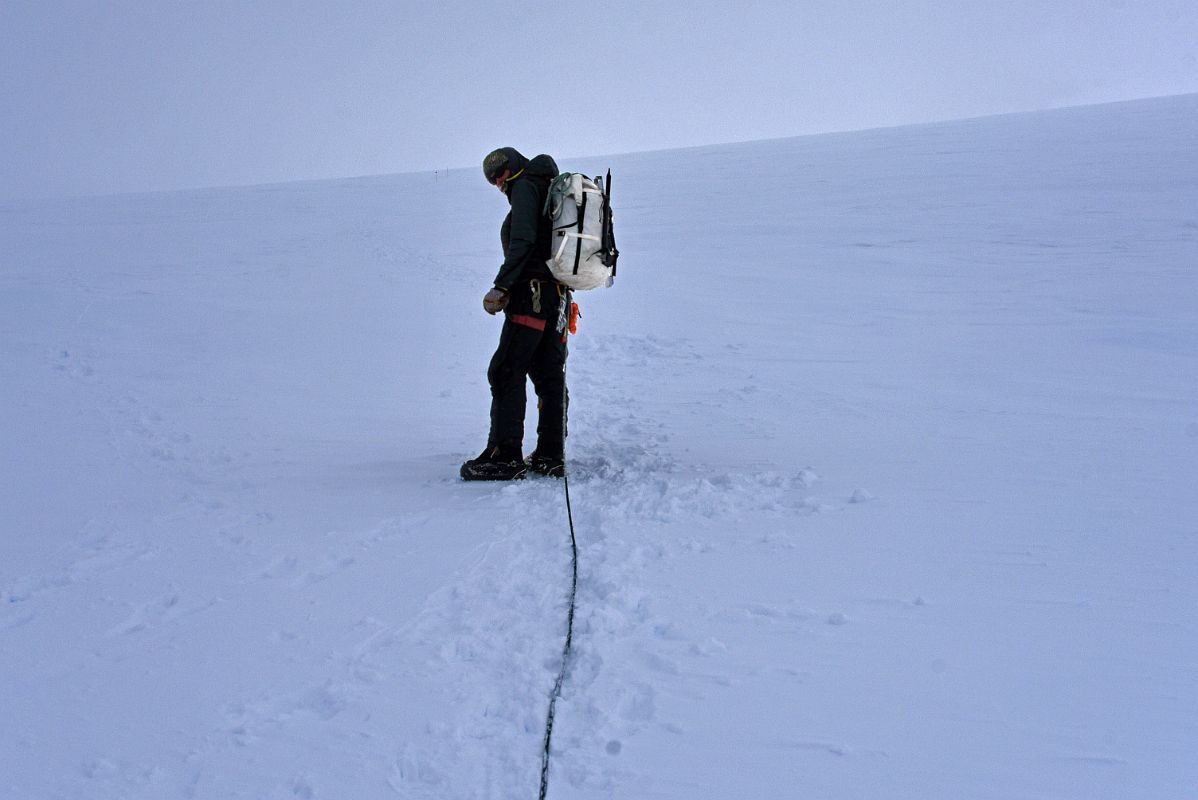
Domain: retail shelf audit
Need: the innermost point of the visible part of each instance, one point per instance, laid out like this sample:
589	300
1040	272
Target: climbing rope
561	675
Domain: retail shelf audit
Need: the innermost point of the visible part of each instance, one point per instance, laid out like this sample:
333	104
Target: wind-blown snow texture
883	452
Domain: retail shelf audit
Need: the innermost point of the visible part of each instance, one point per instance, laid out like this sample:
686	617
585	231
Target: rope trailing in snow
561	675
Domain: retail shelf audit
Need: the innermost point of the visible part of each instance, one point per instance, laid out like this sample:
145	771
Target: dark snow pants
531	345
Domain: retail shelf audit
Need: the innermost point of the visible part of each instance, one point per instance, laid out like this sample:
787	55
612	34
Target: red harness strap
527	321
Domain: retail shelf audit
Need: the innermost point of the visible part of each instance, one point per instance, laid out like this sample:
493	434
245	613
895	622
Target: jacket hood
542	165
517	164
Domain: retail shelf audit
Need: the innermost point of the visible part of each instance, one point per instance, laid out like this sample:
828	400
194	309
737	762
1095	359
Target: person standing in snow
532	343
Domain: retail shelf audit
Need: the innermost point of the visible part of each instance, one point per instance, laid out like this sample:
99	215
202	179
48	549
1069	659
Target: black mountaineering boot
496	463
552	466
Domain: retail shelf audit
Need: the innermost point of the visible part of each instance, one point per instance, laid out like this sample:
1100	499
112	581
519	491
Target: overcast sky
115	96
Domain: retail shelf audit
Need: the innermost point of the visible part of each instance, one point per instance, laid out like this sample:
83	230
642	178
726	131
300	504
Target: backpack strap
582	213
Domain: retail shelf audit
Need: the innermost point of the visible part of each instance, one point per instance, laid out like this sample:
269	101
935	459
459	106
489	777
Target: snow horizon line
625	154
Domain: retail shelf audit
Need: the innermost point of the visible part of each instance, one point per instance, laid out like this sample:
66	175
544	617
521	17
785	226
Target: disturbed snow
882	458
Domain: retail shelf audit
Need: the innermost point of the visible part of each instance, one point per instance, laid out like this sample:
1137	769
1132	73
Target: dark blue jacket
526	230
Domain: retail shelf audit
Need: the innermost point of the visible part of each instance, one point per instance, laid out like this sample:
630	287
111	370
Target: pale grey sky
156	94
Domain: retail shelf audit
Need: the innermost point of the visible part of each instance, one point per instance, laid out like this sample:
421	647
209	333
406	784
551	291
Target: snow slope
883	454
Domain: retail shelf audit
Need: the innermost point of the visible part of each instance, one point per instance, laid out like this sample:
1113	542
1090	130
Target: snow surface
883	458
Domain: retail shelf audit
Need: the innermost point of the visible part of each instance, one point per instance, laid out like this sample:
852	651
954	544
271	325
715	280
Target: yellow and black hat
499	160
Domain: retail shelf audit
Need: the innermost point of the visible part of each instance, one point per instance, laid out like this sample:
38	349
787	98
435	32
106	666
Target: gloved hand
495	300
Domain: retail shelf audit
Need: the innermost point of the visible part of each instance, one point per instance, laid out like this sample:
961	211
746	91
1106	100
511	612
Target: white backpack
583	246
